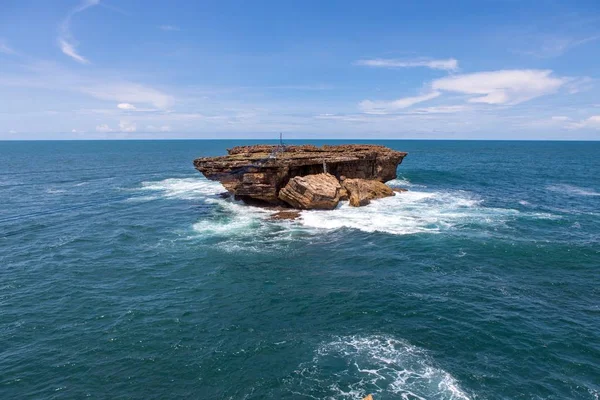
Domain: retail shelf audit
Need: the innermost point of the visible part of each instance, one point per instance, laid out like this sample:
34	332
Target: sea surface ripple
123	274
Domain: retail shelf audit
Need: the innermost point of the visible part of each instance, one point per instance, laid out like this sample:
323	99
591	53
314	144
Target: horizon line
295	139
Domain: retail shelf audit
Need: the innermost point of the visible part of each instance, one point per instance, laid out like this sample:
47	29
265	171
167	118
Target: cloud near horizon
384	107
127	93
590	122
502	87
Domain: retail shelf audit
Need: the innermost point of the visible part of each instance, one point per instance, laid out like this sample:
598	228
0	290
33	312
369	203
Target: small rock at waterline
288	214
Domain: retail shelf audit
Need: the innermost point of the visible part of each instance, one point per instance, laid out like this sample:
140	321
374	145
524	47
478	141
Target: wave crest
184	188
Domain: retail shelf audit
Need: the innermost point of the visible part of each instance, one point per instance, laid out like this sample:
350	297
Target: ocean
123	275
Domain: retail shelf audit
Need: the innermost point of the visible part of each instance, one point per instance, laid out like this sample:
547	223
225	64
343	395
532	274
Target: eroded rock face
257	173
312	192
362	191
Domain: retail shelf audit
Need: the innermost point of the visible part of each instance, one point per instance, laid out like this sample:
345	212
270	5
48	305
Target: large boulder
312	192
362	191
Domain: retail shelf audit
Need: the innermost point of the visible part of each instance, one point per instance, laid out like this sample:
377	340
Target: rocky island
305	176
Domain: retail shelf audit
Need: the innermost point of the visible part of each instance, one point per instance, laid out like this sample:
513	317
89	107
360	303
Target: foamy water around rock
420	210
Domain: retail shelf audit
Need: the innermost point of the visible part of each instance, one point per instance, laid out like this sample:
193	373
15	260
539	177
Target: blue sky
480	69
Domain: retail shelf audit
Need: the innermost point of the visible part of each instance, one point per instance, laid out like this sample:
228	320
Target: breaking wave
234	226
572	190
352	367
401	182
409	213
184	188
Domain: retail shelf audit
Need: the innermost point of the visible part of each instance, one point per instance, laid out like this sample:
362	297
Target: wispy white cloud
163	128
5	48
449	64
157	100
126	106
127	93
101	86
385	107
169	28
578	85
127	126
104	128
555	46
315	87
66	41
353	118
502	87
592	122
441	109
69	50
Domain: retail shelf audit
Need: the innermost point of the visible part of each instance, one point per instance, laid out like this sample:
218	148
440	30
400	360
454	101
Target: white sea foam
235	219
236	226
572	190
141	199
55	191
403	182
242	228
352	367
408	213
405	213
185	188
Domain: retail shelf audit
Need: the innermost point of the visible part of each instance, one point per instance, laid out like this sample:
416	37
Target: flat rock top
344	152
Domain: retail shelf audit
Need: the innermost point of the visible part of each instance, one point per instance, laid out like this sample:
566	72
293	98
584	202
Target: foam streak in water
572	190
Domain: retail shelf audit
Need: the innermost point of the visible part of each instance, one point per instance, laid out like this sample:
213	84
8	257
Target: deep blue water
124	276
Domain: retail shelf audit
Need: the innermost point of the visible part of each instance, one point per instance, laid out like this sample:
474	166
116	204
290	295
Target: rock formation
319	191
305	177
362	191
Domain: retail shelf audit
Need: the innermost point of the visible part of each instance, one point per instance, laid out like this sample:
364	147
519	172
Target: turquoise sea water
123	275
